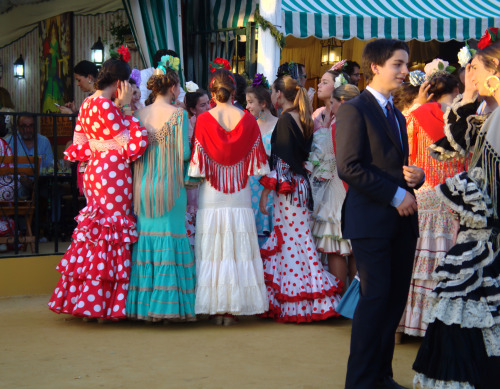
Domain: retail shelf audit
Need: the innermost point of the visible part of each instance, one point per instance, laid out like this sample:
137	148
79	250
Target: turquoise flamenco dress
163	276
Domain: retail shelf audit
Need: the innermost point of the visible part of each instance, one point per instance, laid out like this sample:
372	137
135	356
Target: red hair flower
490	36
219	63
124	53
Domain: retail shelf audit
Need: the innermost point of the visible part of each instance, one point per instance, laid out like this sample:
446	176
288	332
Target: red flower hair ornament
491	35
121	53
219	63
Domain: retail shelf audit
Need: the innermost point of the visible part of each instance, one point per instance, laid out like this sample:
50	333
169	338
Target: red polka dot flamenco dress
95	269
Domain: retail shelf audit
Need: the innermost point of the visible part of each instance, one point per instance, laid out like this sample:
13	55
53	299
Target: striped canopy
231	14
424	20
155	25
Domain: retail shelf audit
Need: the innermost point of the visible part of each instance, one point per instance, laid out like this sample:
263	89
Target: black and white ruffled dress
461	348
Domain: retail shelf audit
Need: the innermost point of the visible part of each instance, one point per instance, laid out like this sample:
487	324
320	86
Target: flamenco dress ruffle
95	269
462	341
298	288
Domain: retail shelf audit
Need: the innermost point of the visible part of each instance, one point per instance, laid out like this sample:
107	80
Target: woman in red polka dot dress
298	288
96	268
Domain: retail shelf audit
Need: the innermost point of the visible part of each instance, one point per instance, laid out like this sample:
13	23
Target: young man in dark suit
380	211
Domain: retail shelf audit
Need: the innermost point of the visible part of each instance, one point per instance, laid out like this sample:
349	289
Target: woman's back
154	116
159	175
228	116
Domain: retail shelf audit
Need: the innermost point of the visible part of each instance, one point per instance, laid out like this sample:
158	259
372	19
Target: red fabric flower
219	63
124	52
490	36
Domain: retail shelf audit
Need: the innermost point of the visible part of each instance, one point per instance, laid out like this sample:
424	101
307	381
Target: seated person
26	142
6	185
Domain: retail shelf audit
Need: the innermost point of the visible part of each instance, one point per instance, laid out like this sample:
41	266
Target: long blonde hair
296	94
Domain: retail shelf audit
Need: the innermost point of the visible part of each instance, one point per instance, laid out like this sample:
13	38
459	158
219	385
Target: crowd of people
197	207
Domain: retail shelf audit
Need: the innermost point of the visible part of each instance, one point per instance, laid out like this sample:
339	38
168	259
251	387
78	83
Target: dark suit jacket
370	160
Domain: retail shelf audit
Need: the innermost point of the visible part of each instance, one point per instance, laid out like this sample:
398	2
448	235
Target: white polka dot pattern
95	269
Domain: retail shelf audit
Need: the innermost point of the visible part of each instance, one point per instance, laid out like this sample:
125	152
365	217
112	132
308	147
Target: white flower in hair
340	80
465	55
191	86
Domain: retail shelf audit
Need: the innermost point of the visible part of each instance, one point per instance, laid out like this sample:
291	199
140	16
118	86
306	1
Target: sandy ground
40	349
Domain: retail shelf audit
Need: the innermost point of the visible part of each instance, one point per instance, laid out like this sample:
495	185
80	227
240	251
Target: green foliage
275	33
119	30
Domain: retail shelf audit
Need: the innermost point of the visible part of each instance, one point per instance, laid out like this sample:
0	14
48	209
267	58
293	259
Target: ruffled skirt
298	288
163	279
326	219
95	269
230	277
463	312
436	238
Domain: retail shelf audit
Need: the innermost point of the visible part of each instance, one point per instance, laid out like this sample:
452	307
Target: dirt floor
40	349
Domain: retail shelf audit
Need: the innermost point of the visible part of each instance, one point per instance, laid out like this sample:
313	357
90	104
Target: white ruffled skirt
230	274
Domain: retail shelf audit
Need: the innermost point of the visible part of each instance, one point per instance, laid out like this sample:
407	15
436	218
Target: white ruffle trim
491	338
466	313
472	195
420	381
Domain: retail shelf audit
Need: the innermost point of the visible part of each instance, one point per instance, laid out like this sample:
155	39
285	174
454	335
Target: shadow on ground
40	349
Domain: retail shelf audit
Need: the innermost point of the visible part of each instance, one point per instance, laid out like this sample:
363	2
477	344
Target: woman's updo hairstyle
345	92
222	85
159	84
111	71
442	83
297	95
191	99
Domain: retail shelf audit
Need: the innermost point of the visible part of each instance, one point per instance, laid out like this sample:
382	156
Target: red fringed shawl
430	119
227	157
428	127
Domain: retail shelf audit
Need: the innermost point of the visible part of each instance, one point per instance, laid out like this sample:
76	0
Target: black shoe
389	383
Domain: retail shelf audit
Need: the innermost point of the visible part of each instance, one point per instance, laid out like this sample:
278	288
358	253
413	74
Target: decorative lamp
19	67
97	52
331	51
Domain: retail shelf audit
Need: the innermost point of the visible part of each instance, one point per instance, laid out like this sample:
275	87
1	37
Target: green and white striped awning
232	14
424	20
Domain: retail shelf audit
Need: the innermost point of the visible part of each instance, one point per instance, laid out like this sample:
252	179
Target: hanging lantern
331	51
97	52
19	67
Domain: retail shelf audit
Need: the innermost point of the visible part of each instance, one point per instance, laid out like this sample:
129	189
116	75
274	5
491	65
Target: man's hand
413	175
408	206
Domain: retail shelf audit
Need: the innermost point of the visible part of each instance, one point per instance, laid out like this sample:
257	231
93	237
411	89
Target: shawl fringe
232	178
167	165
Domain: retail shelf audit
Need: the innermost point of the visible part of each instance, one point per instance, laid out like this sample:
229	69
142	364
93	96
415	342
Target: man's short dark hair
160	53
378	52
349	67
24	116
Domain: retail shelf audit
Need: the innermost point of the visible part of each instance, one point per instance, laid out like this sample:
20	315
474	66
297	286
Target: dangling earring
90	82
491	89
260	115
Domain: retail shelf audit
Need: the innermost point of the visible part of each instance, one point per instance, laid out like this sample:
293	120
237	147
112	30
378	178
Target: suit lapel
376	110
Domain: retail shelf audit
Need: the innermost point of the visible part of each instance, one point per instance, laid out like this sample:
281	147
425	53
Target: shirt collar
380	97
